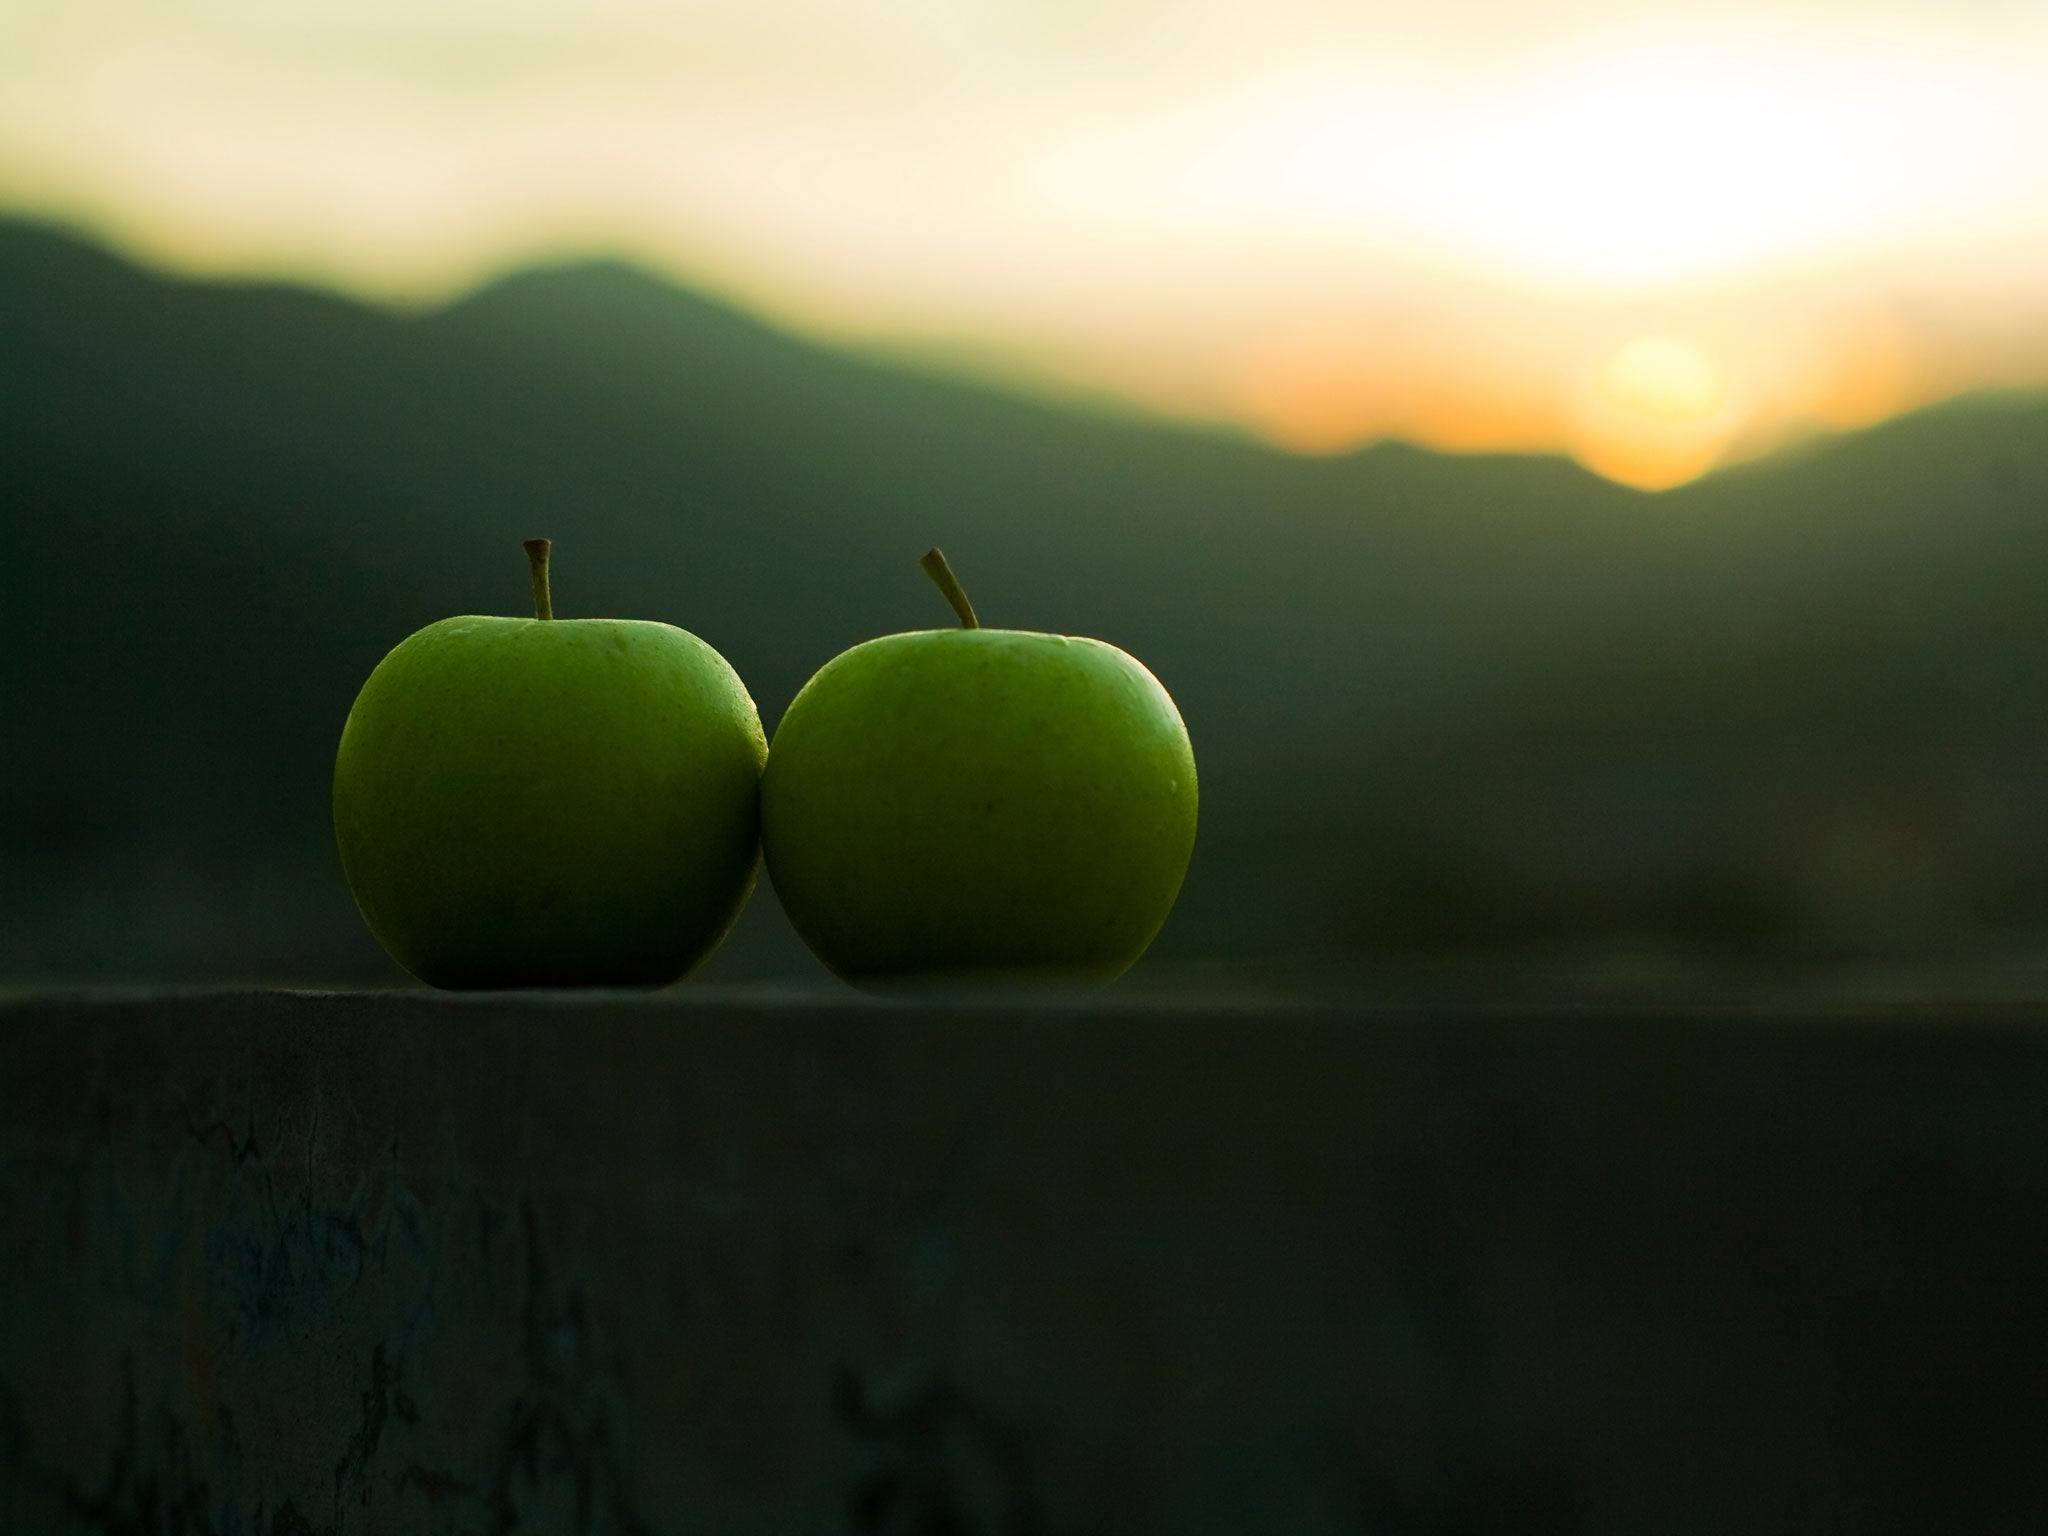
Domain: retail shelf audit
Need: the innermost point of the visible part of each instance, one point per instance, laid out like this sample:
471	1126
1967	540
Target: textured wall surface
285	1263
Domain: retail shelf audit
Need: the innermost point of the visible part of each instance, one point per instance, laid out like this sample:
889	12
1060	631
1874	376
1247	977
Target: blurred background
1581	467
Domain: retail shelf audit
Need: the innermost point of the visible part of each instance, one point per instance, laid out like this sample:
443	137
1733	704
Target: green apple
550	802
970	804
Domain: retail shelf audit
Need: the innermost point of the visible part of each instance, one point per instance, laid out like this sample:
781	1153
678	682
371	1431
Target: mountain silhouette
1441	705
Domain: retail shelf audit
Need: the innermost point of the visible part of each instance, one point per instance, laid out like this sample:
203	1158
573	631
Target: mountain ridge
1438	700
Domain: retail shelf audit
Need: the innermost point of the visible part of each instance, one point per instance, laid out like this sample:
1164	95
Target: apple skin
550	803
979	805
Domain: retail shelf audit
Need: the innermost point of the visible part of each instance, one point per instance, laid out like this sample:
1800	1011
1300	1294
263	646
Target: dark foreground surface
287	1263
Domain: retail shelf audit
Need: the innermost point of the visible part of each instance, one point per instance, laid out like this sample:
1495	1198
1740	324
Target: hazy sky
1645	233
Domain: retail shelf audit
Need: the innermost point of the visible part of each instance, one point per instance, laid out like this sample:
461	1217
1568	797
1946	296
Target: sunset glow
1654	238
1663	379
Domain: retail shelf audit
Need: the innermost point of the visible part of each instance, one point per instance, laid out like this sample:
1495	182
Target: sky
1651	235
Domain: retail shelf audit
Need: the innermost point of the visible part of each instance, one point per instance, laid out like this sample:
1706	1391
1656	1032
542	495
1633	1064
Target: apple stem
935	567
537	557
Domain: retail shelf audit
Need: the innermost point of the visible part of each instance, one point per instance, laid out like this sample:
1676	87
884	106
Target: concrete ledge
278	1263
